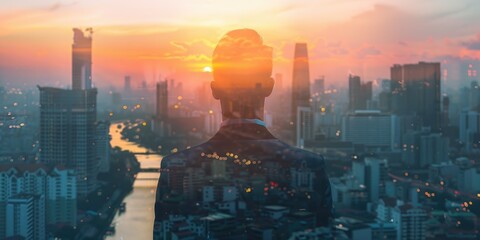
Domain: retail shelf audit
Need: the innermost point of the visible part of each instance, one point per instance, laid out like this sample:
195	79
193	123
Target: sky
155	39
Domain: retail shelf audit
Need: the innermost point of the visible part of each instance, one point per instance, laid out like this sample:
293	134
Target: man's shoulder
300	155
272	147
188	153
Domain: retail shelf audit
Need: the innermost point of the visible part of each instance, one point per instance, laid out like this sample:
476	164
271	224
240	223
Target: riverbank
141	133
97	211
137	221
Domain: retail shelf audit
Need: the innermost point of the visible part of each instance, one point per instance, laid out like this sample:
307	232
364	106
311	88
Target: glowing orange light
207	69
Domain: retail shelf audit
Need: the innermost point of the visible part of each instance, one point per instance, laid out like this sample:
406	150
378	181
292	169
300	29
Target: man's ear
268	86
215	90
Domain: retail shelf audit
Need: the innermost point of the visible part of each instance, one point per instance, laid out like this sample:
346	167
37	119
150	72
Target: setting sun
207	69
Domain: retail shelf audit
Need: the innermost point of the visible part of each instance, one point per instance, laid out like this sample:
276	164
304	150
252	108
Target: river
137	221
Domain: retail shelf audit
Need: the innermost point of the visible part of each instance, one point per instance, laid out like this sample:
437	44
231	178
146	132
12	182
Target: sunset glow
176	39
207	69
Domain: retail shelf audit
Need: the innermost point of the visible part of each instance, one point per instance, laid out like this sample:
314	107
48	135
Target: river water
137	221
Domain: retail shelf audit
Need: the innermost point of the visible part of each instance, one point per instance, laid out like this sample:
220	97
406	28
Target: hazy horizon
149	40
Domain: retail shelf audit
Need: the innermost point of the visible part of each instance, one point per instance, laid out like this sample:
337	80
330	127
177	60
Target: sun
207	69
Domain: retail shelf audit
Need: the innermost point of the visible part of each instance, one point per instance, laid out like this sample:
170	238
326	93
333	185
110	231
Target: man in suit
243	177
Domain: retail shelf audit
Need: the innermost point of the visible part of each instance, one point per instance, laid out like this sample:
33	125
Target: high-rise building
26	216
410	222
53	190
385	96
469	130
67	132
82	59
318	86
358	93
127	84
371	173
371	128
423	148
102	142
278	82
304	126
300	83
416	91
162	100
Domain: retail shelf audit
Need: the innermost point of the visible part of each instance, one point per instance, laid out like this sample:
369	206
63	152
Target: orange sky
152	39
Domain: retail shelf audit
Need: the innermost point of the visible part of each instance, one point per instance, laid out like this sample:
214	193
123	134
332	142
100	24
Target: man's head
242	69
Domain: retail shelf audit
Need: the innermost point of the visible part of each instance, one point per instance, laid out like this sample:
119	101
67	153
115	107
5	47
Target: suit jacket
246	159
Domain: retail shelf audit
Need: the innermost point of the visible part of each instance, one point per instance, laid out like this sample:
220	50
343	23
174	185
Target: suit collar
242	130
232	121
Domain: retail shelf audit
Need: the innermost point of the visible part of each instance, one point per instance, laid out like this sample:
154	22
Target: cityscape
388	149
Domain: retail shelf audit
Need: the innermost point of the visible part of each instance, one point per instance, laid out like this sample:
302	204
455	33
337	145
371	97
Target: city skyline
347	120
362	38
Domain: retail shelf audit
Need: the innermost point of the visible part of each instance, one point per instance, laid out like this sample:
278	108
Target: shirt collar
232	121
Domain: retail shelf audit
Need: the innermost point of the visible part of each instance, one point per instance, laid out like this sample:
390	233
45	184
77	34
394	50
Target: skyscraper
127	84
82	59
68	131
318	86
469	129
358	93
278	82
300	83
103	145
161	126
304	126
162	100
416	91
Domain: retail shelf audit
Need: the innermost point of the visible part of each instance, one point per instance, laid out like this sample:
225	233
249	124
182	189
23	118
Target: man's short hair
240	59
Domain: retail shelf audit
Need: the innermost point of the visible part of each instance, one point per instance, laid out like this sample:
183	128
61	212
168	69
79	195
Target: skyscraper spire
82	59
301	78
300	83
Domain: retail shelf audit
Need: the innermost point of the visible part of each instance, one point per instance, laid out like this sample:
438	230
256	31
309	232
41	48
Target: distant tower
445	111
300	82
279	82
82	59
318	86
162	100
127	84
416	92
358	93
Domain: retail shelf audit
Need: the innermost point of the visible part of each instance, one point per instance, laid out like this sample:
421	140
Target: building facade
372	129
300	83
51	189
68	133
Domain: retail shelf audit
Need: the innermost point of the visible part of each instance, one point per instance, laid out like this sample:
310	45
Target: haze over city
174	39
221	119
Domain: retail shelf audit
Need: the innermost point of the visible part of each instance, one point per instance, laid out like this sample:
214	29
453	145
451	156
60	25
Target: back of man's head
241	61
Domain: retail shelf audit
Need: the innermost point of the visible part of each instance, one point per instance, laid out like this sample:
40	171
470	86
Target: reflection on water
137	221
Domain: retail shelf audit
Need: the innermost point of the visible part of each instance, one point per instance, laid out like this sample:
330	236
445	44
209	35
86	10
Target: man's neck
247	108
232	121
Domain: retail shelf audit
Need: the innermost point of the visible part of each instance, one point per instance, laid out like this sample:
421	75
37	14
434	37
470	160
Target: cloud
472	44
368	51
54	7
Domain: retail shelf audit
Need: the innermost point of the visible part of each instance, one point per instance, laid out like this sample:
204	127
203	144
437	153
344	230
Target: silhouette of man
243	178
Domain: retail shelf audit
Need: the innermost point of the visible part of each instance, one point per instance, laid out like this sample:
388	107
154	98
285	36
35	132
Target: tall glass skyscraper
82	59
300	84
67	132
